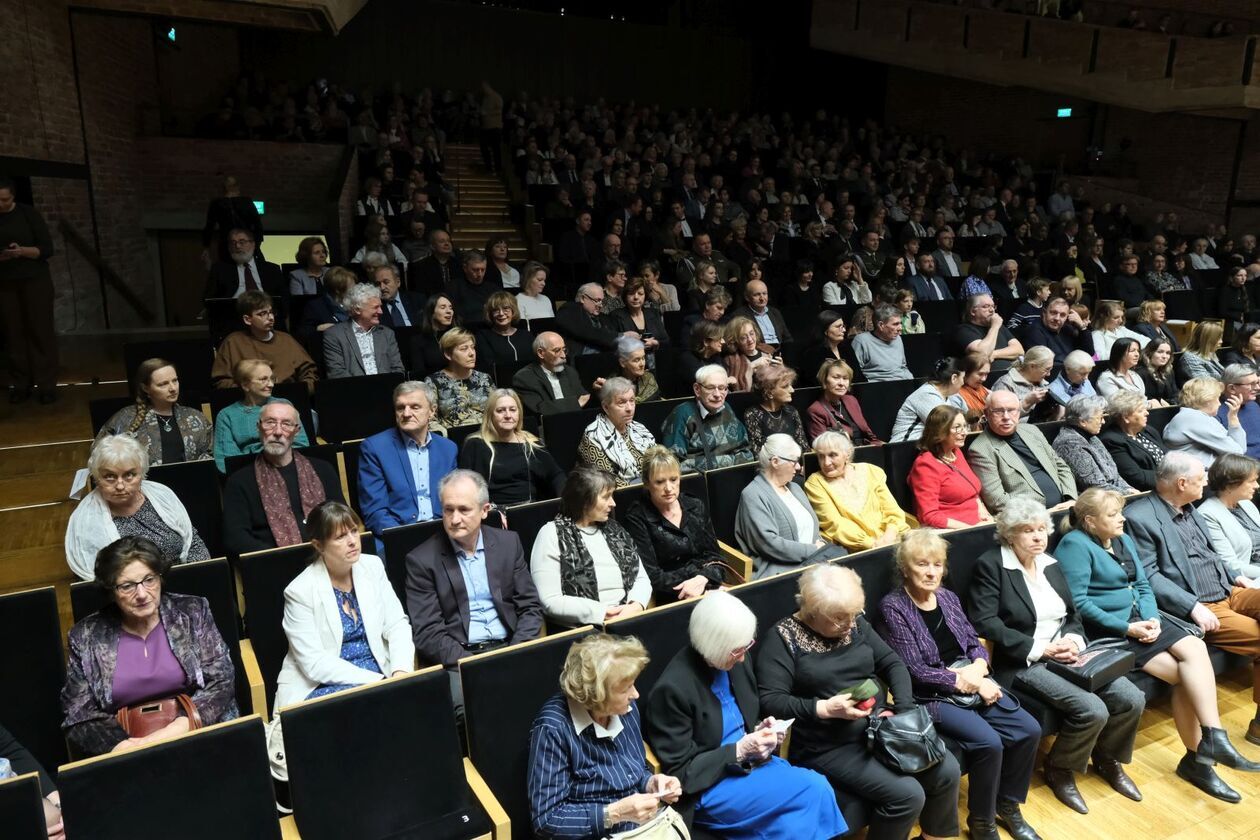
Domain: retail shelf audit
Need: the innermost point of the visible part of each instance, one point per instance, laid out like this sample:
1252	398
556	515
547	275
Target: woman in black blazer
703	723
1020	601
1137	449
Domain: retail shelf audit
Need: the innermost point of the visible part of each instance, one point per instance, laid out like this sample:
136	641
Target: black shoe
1063	783
1202	776
1253	732
46	396
1009	817
982	829
1216	746
1113	772
19	395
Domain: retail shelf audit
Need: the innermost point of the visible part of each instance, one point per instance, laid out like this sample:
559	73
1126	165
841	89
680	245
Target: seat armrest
741	561
257	688
489	803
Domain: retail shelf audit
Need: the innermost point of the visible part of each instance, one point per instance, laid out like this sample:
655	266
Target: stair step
33	527
27	568
66	457
35	489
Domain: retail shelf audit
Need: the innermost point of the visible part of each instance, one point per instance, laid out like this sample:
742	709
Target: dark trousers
26	307
1001	748
931	797
492	148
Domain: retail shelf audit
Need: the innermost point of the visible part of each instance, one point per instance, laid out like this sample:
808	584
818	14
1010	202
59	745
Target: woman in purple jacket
949	668
145	645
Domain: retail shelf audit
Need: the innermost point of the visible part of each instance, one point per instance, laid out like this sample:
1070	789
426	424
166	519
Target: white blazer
312	623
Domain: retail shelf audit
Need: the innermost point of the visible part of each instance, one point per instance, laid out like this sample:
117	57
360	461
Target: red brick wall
39	113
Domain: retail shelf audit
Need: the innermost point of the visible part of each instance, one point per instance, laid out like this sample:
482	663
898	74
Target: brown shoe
1063	783
1253	732
1113	772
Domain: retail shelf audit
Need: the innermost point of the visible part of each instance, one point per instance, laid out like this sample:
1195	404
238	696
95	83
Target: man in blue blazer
399	468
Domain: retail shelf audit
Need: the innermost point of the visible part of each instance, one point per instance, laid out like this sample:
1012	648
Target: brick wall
39	112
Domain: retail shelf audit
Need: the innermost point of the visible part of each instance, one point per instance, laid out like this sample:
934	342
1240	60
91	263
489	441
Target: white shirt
544	564
367	350
535	307
804	521
556	390
240	278
1047	604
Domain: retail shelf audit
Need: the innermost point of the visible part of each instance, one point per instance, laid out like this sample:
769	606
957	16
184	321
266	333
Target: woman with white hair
632	365
704	725
775	524
614	442
1195	428
1083	451
125	505
1021	602
1027	380
809	667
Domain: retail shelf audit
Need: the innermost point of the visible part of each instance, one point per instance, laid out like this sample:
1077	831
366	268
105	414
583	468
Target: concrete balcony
1142	70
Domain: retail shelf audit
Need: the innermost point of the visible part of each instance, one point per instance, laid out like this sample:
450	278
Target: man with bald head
769	320
266	503
1012	458
549	385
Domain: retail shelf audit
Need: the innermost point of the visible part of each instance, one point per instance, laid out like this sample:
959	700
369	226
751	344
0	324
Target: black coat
1001	609
536	394
581	330
224	279
1136	465
411	302
245	525
653	323
683	723
673	554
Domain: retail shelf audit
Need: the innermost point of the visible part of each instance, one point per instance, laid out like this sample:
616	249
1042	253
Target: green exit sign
260	207
1063	113
170	34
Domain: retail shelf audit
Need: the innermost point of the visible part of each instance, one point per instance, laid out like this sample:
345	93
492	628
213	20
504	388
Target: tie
251	279
396	314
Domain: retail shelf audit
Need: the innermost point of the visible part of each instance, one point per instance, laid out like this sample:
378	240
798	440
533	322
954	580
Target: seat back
350	452
724	486
770	598
264	575
1158	418
562	432
104	408
923	351
399	736
504	371
900	457
525	520
663	631
882	400
966	547
33	670
22	808
192	358
224	787
209	579
503	691
196	483
401	541
357	406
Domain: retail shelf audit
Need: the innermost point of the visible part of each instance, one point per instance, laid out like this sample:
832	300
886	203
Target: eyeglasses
740	651
781	459
715	389
1001	411
599	299
272	423
129	588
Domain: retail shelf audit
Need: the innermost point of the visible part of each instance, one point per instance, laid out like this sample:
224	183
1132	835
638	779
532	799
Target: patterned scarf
577	569
275	497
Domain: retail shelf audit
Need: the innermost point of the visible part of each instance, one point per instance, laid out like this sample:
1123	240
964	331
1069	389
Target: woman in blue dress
703	724
345	624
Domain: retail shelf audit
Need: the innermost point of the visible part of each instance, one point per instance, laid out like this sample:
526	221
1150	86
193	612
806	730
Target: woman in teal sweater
1114	598
236	427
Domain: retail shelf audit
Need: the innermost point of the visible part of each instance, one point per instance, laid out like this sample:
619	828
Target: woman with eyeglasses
124	504
236	426
503	342
144	645
945	490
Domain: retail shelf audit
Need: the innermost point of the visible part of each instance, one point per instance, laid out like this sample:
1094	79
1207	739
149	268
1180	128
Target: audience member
1121	373
615	442
312	261
975	391
582	325
851	499
236	425
530	300
266	505
1232	519
807	665
170	432
399	308
1195	429
1199	359
1073	380
1080	447
942	387
361	346
774	523
1152	322
514	463
636	317
879	353
325	309
1058	328
1137	449
1108	328
585	565
145	645
358	636
1241	382
926	283
702	250
984	332
462	392
400	468
1011	457
1027	380
769	320
705	434
244	271
260	340
1157	373
21	763
746	351
927	628
502	342
774	412
1126	286
1245	348
837	410
436	272
707	340
632	365
945	491
549	385
496	253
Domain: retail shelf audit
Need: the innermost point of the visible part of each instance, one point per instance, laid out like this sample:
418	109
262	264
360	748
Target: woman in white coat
1233	522
345	625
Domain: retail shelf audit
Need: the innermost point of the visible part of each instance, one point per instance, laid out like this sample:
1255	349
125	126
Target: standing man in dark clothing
26	299
229	211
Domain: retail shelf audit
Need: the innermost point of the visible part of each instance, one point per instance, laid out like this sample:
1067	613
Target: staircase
482	205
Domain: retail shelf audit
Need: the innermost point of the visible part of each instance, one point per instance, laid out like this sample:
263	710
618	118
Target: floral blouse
461	402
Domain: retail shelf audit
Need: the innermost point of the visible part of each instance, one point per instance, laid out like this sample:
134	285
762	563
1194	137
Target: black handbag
1099	664
962	701
907	742
1187	627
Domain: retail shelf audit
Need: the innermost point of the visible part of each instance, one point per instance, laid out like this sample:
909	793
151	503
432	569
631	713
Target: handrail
77	241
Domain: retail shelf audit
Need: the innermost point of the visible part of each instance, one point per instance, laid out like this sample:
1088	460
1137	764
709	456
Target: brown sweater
289	362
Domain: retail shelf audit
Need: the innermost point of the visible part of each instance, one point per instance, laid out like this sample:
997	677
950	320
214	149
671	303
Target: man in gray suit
361	346
1013	458
1191	581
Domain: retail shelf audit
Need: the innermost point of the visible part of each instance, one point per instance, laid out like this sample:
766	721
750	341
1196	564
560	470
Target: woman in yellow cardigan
852	501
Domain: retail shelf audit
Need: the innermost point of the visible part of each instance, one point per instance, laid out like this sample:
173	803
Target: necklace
167	422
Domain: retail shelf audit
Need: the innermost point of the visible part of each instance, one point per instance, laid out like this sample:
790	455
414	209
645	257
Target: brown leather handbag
146	718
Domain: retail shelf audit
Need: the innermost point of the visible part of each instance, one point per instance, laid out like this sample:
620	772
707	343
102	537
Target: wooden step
33	459
33	526
36	488
28	568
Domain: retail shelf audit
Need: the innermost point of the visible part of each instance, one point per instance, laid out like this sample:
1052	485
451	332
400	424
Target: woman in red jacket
837	410
946	492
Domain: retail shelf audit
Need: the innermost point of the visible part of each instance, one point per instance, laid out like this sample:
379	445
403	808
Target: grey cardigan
1203	436
766	531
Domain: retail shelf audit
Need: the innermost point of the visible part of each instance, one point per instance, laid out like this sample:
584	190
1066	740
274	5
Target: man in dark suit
926	283
245	272
252	524
550	385
470	291
434	274
582	325
1058	328
1191	581
469	588
399	308
577	246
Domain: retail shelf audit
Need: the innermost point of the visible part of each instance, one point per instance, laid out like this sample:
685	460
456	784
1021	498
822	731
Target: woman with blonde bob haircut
1195	428
704	725
852	501
814	666
567	795
462	391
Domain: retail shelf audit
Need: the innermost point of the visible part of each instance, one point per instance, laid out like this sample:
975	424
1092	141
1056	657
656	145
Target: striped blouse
577	767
